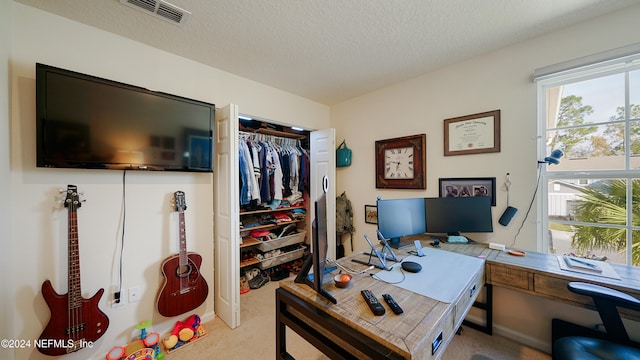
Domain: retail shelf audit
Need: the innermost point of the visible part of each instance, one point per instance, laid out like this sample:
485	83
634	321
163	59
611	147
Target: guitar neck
75	292
183	239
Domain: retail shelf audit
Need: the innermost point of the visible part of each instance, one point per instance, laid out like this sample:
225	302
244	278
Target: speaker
507	215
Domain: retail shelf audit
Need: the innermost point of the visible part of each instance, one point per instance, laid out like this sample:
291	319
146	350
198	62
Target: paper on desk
443	276
607	270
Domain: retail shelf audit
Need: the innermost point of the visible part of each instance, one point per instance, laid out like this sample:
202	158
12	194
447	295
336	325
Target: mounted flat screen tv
92	123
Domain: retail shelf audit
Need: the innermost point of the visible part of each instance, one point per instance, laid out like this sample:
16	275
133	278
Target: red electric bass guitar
75	322
184	288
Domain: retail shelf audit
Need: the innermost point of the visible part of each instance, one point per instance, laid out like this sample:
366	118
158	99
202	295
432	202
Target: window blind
619	56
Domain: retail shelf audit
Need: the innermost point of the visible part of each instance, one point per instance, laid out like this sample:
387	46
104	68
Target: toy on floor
184	332
141	348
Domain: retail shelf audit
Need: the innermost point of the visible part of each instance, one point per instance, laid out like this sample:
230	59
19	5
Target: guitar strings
73	296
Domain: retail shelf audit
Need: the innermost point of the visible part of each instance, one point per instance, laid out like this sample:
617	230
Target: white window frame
590	69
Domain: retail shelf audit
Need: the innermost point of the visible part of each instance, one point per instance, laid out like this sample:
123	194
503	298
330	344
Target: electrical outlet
112	298
134	294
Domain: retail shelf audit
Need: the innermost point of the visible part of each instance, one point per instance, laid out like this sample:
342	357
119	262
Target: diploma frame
484	142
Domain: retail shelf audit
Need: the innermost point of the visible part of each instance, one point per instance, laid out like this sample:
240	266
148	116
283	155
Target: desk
540	275
349	330
536	274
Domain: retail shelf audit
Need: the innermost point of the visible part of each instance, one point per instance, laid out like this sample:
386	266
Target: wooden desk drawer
469	295
509	277
440	337
557	288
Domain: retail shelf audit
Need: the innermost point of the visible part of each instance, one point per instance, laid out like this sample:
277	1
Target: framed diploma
472	134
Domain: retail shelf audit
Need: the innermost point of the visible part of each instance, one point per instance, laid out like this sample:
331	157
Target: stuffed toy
182	331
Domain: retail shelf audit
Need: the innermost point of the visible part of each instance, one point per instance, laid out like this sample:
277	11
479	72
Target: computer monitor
318	257
401	217
452	216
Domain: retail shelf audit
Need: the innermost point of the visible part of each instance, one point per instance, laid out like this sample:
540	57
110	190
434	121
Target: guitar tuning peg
62	191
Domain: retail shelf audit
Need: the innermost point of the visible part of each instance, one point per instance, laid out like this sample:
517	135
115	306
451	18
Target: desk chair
571	341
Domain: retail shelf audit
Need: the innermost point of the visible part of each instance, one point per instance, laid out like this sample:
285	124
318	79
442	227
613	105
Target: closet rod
273	133
268	137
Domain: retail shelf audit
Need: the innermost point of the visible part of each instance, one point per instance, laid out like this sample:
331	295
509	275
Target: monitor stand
303	278
397	244
394	242
386	251
382	257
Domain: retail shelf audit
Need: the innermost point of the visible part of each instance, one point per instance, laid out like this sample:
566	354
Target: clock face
398	163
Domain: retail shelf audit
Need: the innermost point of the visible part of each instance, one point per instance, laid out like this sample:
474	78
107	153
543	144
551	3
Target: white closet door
226	216
323	164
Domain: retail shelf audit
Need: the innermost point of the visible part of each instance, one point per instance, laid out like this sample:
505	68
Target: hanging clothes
245	183
273	170
253	188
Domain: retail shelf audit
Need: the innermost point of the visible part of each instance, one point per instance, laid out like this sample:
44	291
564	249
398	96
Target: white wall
497	80
38	226
6	280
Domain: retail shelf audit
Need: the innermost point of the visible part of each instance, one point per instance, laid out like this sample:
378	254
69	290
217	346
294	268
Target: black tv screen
85	121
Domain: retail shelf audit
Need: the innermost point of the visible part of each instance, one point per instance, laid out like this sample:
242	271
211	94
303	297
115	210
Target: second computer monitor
452	216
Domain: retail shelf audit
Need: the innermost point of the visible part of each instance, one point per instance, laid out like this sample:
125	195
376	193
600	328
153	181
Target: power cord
526	215
349	270
124	219
374	276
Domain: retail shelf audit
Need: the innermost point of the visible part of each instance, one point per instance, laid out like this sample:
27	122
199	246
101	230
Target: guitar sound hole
183	271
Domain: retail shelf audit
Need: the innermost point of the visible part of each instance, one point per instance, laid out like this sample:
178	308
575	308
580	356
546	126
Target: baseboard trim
208	316
535	343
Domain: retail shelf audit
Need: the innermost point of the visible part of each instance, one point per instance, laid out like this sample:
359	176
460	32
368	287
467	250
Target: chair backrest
607	300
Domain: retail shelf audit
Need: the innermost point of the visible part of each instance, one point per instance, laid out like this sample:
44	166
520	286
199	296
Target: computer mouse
411	266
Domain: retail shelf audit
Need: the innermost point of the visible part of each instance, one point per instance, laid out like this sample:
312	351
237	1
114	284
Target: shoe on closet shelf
259	280
252	273
244	285
279	274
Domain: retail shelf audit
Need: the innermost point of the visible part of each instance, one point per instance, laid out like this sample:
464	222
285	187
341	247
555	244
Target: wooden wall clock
400	163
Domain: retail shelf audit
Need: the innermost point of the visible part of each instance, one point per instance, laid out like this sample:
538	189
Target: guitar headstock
181	203
72	199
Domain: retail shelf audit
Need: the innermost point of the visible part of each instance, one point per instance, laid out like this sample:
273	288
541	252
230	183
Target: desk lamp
553	158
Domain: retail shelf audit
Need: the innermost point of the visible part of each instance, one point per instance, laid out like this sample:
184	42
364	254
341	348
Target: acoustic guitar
75	322
184	288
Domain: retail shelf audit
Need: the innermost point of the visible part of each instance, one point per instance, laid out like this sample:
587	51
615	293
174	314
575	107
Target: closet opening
274	201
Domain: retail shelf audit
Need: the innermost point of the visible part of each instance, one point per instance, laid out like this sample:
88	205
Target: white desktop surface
444	274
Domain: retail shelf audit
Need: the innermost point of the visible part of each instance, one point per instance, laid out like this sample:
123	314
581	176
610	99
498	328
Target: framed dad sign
468	187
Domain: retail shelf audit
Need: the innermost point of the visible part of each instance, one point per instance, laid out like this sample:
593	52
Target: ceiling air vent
160	9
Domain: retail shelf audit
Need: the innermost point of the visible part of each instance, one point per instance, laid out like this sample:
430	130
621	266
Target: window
590	202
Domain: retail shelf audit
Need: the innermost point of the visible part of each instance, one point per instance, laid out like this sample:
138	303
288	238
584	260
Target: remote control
392	304
374	304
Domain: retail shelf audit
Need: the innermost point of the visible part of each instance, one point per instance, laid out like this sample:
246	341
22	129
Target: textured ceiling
333	50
